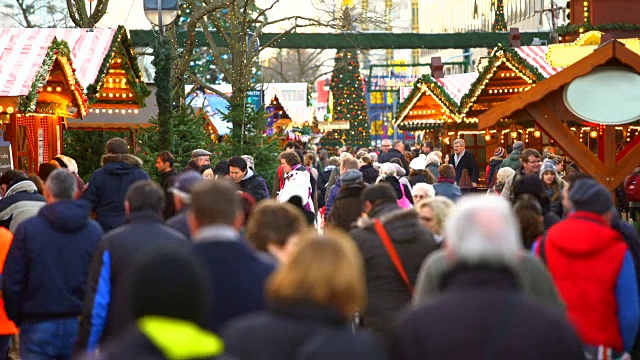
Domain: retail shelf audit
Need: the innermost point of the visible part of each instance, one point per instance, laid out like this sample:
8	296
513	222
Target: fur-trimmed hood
120	164
123	158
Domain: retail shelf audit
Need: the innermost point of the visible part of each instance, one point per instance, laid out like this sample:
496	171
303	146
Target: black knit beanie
170	282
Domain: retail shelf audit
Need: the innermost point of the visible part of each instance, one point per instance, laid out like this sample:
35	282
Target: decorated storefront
38	90
598	91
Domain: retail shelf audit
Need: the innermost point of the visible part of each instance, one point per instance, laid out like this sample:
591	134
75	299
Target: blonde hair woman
433	214
311	298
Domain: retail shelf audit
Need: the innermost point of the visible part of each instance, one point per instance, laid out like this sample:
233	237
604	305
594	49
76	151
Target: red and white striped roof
537	56
22	52
457	85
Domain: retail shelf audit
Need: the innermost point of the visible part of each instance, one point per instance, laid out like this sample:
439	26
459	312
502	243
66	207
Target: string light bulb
593	134
536	134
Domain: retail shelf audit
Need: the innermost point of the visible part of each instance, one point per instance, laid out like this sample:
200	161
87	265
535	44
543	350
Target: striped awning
536	56
22	52
457	85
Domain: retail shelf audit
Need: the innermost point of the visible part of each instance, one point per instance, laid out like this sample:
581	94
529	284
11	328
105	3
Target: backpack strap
391	250
543	257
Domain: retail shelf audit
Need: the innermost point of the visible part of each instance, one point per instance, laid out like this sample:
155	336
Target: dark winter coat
179	222
254	185
513	160
167	179
494	166
109	185
386	291
323	181
107	304
239	274
332	195
191	166
468	162
391	154
419	178
347	207
480	315
298	332
21	202
46	269
369	174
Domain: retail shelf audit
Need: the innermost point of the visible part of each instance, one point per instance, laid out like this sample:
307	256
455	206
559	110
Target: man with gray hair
482	304
464	160
46	271
395	152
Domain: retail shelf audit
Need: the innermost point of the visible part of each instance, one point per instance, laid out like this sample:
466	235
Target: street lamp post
161	13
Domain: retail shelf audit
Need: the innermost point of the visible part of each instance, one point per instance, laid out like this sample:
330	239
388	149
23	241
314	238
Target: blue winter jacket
108	187
47	265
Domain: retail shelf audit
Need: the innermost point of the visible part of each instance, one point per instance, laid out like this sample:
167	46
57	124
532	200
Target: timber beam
377	40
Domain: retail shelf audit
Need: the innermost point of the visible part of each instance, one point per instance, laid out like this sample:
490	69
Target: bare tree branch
207	86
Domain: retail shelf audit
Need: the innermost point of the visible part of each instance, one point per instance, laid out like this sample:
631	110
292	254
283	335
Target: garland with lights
415	126
499	21
575	28
435	88
58	48
120	46
348	103
522	67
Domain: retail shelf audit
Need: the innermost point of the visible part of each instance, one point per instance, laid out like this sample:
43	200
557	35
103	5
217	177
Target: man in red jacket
594	272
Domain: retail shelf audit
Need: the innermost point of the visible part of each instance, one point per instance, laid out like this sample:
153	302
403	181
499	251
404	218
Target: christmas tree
348	104
499	22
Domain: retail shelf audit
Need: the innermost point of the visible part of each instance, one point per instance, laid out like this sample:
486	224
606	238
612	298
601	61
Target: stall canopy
293	98
505	75
433	101
546	104
37	75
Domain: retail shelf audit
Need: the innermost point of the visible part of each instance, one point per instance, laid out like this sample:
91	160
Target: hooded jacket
347	207
108	187
602	304
46	269
20	203
386	291
513	161
254	185
369	174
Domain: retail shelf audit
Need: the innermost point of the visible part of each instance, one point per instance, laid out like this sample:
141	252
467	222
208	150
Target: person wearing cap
106	305
462	160
20	199
387	293
513	160
181	192
594	271
495	163
247	179
553	185
199	157
109	184
65	162
418	173
347	206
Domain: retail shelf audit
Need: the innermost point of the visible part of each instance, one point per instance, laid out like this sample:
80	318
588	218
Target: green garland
575	28
27	103
512	56
120	45
436	89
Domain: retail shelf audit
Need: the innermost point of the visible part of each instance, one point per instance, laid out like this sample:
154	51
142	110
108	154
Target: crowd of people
389	254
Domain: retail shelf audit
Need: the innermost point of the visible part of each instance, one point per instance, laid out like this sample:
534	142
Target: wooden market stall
38	90
546	104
